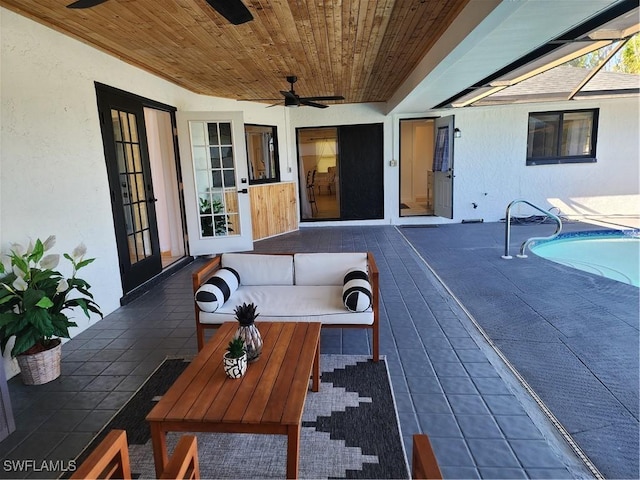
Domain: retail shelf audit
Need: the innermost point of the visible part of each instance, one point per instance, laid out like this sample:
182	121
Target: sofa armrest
374	279
205	272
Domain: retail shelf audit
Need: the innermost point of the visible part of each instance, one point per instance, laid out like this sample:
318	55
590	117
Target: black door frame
107	97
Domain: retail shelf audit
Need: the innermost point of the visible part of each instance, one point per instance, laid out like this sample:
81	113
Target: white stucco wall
490	163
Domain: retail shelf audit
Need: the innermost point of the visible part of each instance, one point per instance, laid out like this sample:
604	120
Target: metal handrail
525	244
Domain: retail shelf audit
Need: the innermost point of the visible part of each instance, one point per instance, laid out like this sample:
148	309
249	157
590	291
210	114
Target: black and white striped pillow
217	290
356	292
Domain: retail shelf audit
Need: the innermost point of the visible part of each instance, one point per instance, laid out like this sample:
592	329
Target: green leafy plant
218	222
35	298
236	349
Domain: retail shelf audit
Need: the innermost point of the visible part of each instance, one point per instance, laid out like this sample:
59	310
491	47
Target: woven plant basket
42	367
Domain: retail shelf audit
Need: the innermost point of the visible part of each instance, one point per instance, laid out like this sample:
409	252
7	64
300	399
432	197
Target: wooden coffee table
268	399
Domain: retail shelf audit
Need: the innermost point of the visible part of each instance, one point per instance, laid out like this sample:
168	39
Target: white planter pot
235	367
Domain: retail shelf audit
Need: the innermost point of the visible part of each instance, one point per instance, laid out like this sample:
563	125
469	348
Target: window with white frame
562	137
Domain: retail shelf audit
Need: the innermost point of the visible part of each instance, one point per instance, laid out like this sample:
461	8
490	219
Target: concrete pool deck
573	336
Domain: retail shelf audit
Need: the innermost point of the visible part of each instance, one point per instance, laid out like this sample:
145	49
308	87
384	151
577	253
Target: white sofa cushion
295	304
326	268
255	269
356	293
217	290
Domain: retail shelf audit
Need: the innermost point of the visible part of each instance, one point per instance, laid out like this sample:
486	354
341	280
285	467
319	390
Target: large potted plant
34	302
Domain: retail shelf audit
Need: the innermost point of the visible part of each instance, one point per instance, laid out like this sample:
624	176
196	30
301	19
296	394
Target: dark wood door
361	171
132	199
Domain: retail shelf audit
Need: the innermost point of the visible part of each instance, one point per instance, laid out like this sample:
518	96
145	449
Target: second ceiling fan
233	10
292	99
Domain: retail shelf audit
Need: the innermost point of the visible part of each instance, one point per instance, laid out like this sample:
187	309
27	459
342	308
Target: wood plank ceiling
360	49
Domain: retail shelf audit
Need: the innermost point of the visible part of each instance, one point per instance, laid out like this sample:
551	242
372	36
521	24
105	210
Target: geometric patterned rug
349	430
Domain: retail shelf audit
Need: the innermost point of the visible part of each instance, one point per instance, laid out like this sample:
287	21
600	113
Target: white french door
215	177
443	168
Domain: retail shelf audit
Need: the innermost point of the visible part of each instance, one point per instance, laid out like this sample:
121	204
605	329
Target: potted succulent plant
235	359
34	302
246	315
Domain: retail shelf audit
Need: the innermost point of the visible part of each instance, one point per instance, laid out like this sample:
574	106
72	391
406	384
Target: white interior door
214	165
443	168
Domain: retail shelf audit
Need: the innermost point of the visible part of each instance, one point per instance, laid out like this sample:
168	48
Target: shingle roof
560	81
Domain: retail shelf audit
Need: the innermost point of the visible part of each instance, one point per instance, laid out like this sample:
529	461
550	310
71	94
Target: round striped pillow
356	292
217	290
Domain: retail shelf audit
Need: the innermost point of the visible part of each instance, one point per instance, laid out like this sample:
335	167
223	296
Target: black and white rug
350	429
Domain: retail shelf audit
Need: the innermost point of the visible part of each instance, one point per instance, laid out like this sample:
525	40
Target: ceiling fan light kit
233	10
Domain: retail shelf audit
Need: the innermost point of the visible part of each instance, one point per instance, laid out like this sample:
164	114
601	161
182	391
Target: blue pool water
612	254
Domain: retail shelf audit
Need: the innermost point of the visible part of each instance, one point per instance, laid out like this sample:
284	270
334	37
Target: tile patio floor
447	380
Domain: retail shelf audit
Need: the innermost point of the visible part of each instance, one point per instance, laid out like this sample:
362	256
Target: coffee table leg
293	450
159	441
315	386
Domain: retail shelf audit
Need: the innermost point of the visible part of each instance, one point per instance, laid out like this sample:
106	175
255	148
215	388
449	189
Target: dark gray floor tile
91	368
470	356
449	370
85	400
452	451
107	355
95	421
131	383
442	355
492	453
408	423
104	383
120	368
480	369
424	385
64	421
463	343
430	403
504	405
67	450
459	472
458	385
535	454
467	405
479	426
502	473
491	386
518	427
403	402
439	425
549	473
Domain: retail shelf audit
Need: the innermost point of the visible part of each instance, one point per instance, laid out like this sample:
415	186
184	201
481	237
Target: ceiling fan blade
85	3
233	10
289	95
309	103
331	97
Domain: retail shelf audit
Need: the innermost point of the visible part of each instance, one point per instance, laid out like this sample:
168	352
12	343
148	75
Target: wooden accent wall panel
274	209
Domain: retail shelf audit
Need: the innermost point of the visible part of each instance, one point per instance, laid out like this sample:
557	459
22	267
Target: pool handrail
525	244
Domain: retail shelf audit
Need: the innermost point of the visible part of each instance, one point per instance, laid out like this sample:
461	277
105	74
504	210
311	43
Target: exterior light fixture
457	133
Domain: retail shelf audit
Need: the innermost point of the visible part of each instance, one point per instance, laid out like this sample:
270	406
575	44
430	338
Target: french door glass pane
132	185
215	178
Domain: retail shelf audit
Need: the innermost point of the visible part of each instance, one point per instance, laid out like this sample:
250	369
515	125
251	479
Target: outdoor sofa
339	290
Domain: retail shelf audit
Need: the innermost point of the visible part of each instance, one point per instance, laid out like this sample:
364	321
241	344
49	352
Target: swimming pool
612	254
